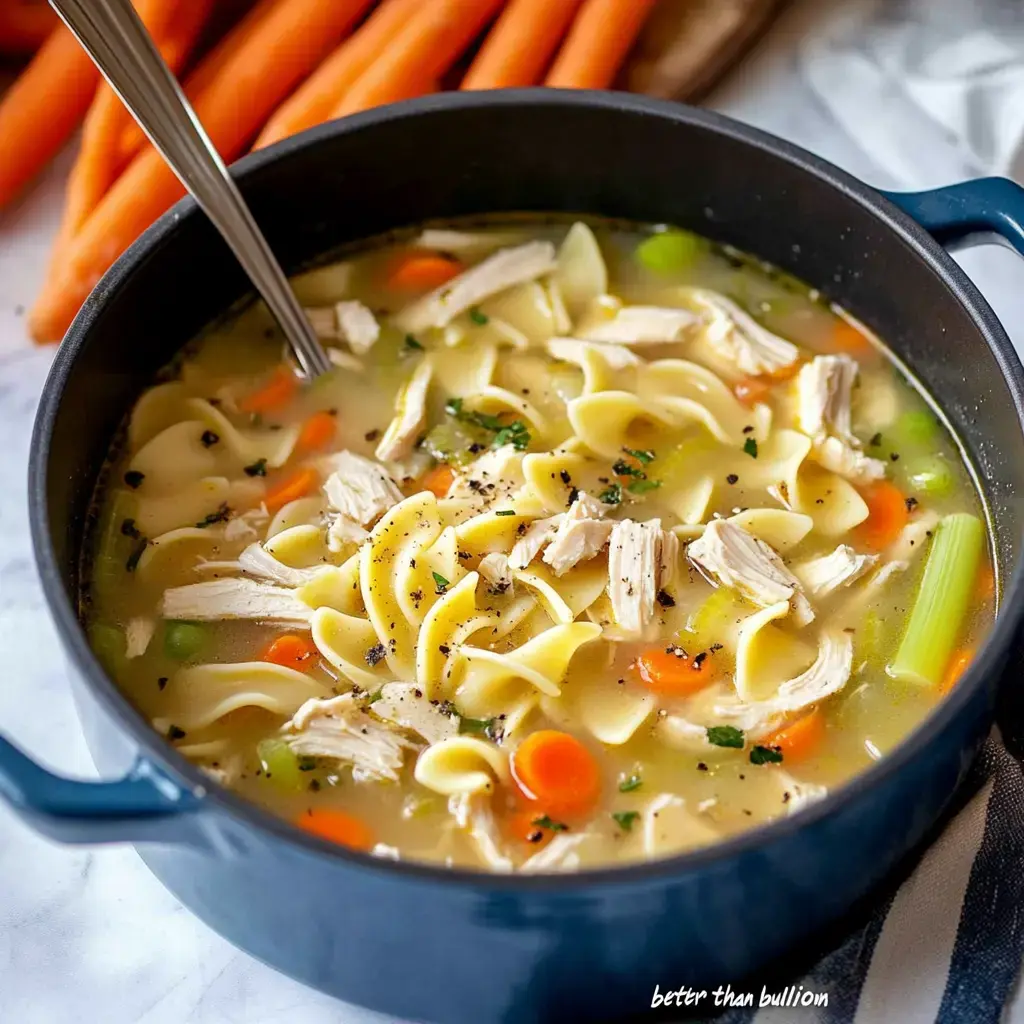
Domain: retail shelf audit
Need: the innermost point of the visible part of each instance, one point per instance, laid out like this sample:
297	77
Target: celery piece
942	601
669	251
715	621
108	644
869	638
280	763
451	442
931	474
183	640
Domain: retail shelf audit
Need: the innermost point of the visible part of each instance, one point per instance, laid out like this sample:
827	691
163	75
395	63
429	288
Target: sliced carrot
311	104
985	589
278	54
336	827
278	391
555	770
317	432
752	390
800	739
671	672
418	272
887	515
957	667
522	826
24	25
848	338
438	480
291	488
599	41
519	48
428	45
291	651
42	108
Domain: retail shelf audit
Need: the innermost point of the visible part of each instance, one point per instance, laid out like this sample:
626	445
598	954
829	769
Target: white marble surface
89	935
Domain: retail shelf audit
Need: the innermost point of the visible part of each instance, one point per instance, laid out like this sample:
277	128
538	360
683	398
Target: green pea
280	763
917	427
183	640
669	251
108	644
931	475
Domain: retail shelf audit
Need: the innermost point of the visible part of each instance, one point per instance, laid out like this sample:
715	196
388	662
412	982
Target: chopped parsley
750	447
133	478
625	819
725	736
644	457
258	468
411	342
611	495
623	468
505	512
642	486
480	319
765	755
375	655
630	783
441	583
514	434
546	822
375	696
222	515
489	727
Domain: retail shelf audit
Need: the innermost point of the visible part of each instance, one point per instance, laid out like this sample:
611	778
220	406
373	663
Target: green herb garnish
765	755
623	468
627	785
489	727
625	819
481	319
611	495
514	434
546	822
644	457
222	515
725	736
505	512
750	447
642	486
375	696
411	342
441	582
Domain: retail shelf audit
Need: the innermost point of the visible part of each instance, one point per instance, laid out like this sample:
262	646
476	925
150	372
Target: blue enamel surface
969	212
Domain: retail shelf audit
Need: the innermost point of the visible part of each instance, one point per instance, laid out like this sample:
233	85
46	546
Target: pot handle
968	213
145	805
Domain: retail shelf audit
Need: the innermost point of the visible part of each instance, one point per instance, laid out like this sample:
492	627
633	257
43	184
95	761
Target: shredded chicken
642	325
529	546
821	576
235	599
825	388
359	488
559	855
410	412
343	532
493	476
386	852
846	461
740	340
344	359
634	572
473	812
669	559
503	270
138	632
683	734
243	527
494	568
342	729
726	553
581	534
797	795
256	561
349	321
406	705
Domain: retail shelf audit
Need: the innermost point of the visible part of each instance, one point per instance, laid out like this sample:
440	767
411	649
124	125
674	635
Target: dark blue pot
457	946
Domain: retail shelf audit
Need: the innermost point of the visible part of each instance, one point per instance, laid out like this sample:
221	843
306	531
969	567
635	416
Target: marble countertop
905	94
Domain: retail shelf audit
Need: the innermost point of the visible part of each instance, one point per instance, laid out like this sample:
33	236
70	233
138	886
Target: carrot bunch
285	66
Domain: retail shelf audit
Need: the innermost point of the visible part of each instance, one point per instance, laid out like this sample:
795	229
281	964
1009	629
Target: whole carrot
420	54
598	43
314	100
521	44
279	52
41	110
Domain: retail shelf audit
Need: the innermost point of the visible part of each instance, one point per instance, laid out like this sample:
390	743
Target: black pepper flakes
573	495
129	529
133	478
209	438
175	732
566	479
375	655
371	435
732	478
161	683
701	766
665	599
911	503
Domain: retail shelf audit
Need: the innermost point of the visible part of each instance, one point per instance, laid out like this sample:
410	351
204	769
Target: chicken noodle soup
599	544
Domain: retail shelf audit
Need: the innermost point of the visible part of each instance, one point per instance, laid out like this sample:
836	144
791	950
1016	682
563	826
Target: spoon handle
117	41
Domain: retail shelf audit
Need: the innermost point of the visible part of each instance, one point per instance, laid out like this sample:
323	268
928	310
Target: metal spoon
117	41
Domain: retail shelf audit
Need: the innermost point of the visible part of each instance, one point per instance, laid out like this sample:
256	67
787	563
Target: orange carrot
41	110
317	432
438	480
668	670
848	338
985	589
800	739
520	46
278	391
312	103
337	827
291	488
752	390
418	272
428	45
887	515
24	25
291	651
174	27
522	826
957	667
555	770
278	53
598	43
